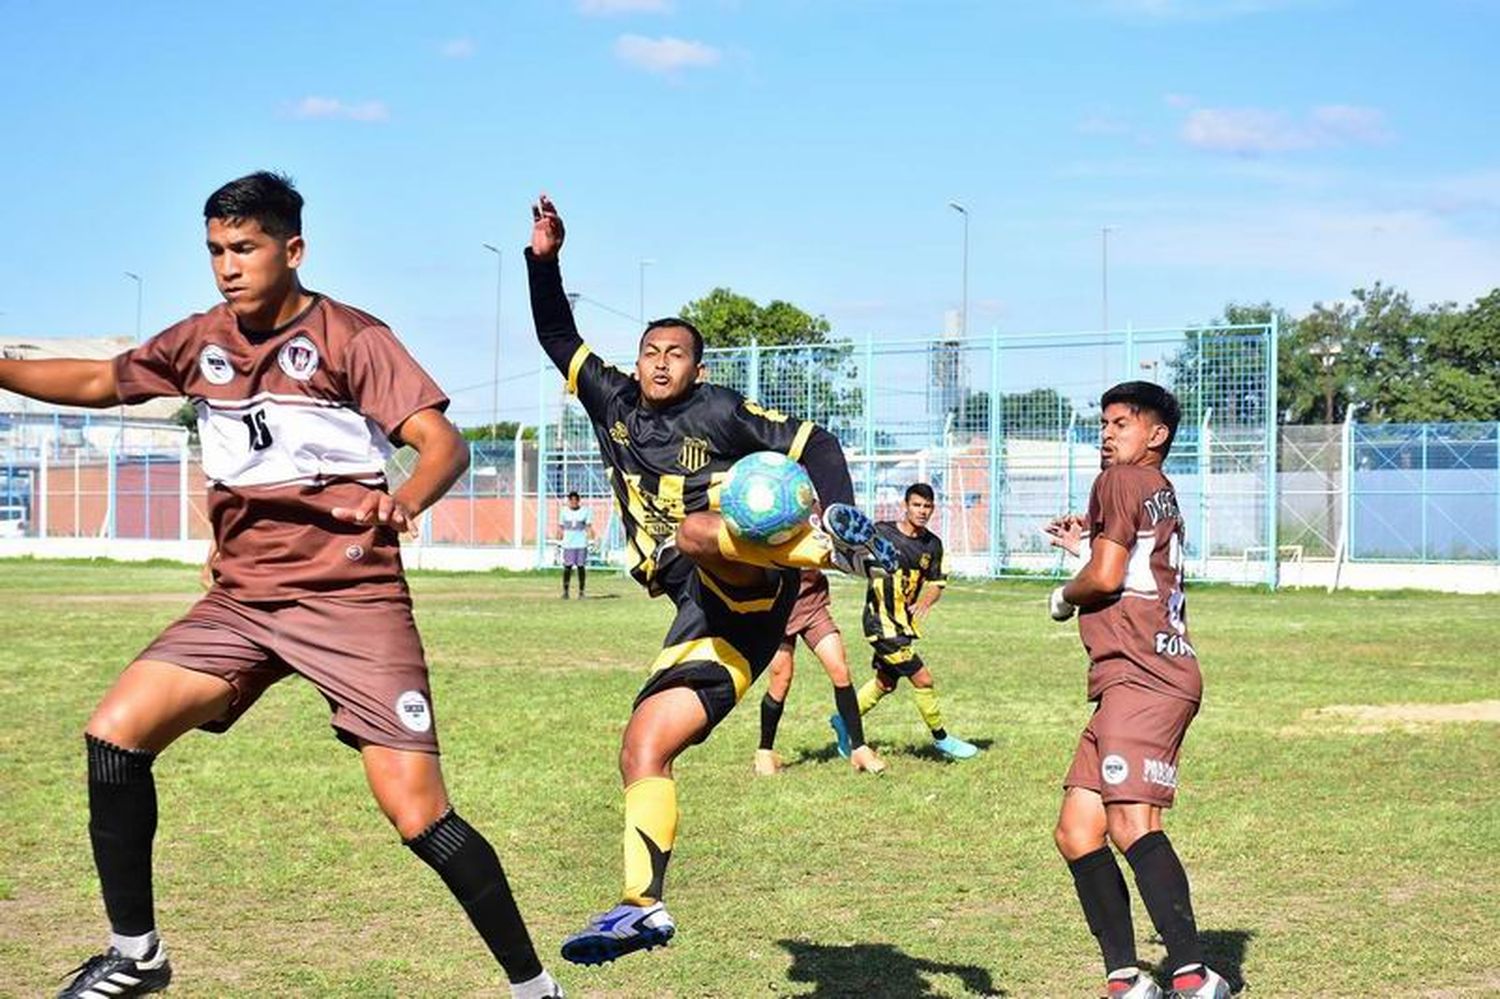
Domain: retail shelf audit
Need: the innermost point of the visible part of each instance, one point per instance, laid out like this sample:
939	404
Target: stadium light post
641	287
495	387
138	285
963	315
1327	352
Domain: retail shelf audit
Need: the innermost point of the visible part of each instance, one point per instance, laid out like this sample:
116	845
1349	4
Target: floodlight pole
138	285
641	288
963	316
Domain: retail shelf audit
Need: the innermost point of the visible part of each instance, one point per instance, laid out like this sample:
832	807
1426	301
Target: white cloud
332	107
458	48
1253	131
665	55
607	8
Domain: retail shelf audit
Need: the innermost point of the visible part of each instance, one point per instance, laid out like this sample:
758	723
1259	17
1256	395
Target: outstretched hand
547	232
1066	532
377	508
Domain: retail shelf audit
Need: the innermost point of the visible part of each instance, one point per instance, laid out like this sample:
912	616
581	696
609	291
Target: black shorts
895	655
723	636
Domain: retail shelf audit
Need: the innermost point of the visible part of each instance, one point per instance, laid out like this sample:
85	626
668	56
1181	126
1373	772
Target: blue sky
803	149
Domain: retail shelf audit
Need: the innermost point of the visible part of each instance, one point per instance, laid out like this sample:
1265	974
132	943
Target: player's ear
702	373
1160	434
294	247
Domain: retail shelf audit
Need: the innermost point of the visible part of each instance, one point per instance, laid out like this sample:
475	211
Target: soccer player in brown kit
666	438
1145	681
299	399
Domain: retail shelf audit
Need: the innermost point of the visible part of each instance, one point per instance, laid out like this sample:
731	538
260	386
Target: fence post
182	487
996	437
77	498
469	487
42	485
1205	476
867	405
1423	481
1497	492
541	463
1273	443
518	483
1343	552
752	380
111	514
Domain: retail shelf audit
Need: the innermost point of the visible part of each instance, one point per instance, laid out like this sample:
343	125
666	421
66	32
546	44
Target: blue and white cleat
955	748
841	733
857	548
622	930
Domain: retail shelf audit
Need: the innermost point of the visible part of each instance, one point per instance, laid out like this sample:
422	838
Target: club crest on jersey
213	361
619	434
1114	769
298	358
925	561
694	454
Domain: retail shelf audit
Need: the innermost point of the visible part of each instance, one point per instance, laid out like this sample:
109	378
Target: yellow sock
926	698
650	831
807	550
870	695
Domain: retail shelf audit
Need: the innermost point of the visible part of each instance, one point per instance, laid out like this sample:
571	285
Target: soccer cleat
767	763
1212	987
864	758
622	930
112	975
841	734
955	748
1138	986
857	549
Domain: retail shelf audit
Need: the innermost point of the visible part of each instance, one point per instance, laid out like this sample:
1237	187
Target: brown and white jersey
293	423
1141	635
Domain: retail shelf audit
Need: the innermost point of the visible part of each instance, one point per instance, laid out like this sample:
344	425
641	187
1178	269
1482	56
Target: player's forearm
1089	588
439	464
63	381
550	311
826	466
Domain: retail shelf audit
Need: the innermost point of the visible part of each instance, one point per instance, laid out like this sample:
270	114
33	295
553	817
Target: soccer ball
766	497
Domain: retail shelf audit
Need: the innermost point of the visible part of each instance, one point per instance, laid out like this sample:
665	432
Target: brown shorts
364	656
1128	750
812	614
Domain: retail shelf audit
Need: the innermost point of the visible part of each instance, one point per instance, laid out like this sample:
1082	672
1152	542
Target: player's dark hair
678	321
1150	397
268	198
573	494
921	489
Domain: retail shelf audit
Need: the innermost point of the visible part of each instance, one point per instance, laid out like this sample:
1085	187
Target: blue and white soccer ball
766	497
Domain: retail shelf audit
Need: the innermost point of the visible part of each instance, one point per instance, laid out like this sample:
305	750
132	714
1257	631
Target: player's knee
642	759
414	816
1074	840
113	723
1127	827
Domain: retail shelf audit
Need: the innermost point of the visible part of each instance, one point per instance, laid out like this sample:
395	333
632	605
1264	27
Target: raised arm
63	381
824	460
555	329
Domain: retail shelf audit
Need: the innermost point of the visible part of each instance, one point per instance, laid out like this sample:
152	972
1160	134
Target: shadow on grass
877	971
922	751
1224	951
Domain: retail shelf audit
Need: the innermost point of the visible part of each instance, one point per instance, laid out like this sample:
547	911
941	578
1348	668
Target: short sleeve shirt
575	525
293	423
1140	636
888	600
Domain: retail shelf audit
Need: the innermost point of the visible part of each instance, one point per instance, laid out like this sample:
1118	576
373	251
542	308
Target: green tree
1222	368
1040	412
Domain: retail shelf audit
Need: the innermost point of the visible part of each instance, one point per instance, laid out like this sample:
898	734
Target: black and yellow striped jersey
889	600
664	464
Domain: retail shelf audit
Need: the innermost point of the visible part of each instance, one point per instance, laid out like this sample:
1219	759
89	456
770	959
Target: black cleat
112	975
857	548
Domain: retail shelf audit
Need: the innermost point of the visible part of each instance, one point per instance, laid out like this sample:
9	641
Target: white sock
543	986
134	948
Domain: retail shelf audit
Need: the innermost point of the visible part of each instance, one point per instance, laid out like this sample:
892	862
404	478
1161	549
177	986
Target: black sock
567	577
939	734
468	866
770	719
1106	906
847	703
122	824
582	577
1164	888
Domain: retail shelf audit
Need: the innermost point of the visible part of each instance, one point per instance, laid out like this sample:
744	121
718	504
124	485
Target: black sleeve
550	311
823	458
589	378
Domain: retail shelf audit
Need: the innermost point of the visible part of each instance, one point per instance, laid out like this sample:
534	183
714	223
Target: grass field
1332	853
